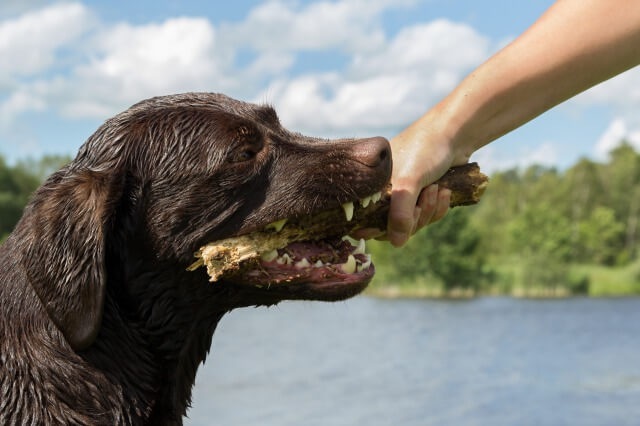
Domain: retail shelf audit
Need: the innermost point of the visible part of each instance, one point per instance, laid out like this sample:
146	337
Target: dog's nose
374	152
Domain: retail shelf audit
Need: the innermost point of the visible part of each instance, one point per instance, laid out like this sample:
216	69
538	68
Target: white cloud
386	88
18	102
494	158
622	95
442	44
617	132
29	43
130	63
544	154
121	64
14	7
622	92
350	25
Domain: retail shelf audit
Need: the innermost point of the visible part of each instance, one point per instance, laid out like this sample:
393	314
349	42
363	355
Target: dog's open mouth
310	255
324	264
313	251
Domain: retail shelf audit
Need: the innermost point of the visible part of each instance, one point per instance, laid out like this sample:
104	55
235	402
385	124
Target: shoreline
419	292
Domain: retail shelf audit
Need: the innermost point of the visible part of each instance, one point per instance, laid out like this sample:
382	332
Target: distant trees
447	252
587	214
16	185
532	227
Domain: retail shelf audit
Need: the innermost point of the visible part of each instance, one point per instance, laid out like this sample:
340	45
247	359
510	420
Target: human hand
420	157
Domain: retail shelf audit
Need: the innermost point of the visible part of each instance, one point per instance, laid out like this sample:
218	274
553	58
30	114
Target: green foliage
16	185
447	253
540	231
600	237
547	276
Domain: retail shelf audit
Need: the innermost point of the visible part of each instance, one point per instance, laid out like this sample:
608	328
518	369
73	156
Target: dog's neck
164	318
173	325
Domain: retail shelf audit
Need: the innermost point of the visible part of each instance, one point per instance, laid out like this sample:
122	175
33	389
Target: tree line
17	182
537	231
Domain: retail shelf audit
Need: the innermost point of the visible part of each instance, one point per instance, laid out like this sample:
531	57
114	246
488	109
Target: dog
101	323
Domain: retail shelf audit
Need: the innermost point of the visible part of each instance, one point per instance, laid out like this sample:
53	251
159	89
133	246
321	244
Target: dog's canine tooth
304	263
269	256
318	264
349	266
376	197
361	247
348	210
277	225
365	201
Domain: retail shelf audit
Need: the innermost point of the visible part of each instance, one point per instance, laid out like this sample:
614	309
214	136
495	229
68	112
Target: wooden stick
466	182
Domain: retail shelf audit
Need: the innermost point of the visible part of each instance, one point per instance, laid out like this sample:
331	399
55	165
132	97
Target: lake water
488	361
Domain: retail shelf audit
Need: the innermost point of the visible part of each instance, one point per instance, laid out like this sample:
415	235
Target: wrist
451	138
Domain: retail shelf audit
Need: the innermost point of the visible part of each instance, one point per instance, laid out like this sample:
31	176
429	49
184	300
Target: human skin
573	46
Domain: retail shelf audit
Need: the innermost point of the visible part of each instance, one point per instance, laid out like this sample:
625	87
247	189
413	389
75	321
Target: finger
427	202
443	203
401	217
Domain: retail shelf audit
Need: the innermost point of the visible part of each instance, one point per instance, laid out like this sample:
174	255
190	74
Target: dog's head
174	173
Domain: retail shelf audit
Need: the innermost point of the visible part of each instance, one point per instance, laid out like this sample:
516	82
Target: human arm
573	46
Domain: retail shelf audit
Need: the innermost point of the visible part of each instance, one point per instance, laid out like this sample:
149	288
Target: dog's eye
248	143
244	155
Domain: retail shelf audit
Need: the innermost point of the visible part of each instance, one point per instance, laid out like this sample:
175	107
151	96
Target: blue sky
331	68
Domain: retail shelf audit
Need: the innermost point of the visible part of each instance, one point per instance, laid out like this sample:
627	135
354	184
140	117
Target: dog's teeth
366	265
348	210
318	264
269	256
363	267
376	197
285	259
349	266
304	263
361	247
365	201
277	225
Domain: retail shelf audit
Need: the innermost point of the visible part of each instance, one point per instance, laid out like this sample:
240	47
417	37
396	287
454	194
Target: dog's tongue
326	251
346	254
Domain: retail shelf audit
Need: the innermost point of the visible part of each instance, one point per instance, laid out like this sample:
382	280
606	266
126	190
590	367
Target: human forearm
575	45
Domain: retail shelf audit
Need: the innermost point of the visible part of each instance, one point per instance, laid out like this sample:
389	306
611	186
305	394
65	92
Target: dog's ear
70	218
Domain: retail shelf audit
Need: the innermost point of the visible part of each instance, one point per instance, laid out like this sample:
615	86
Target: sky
339	68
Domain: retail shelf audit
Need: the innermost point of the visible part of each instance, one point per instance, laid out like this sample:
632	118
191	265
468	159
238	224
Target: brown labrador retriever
100	321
